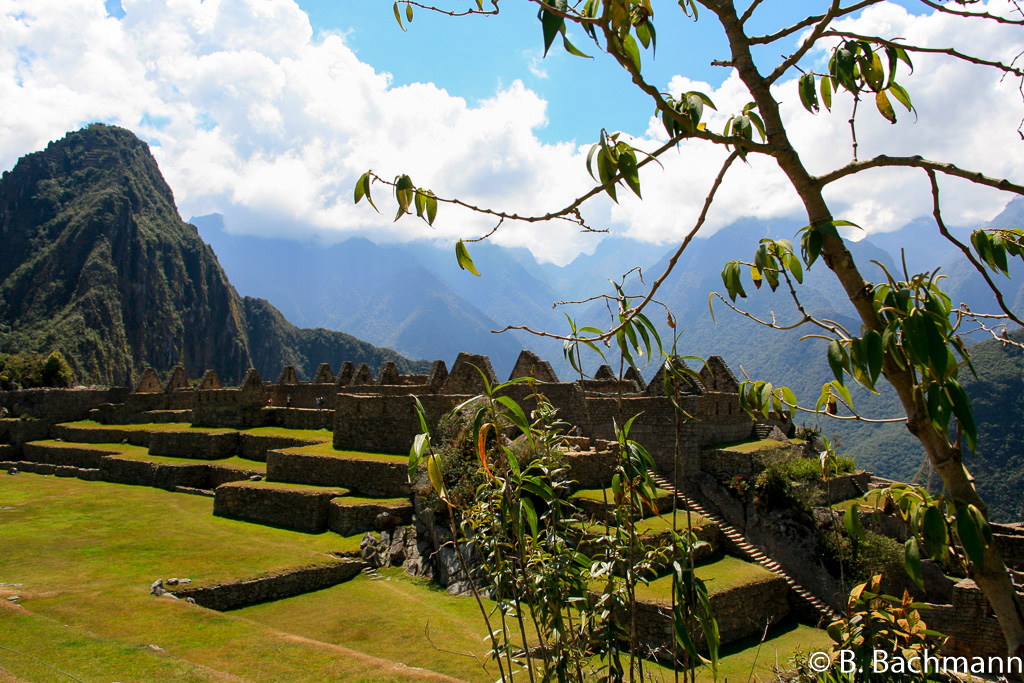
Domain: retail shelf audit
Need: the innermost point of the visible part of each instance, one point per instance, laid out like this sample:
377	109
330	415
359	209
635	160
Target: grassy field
86	552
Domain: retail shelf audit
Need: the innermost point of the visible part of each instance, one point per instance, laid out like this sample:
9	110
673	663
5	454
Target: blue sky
268	110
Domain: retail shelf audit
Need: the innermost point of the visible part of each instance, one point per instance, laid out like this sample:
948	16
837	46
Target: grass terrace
149	427
720	575
328	449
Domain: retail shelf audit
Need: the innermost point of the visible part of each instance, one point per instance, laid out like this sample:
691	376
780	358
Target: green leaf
970	536
531	516
837	359
964	413
404	190
572	49
912	559
808	95
408	12
875	351
933	531
631	50
901	95
431	208
826	92
462	256
851	520
629	171
551	24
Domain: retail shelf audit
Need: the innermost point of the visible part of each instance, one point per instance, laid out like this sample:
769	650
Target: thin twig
937	212
816	32
809	21
853	124
979	15
633	312
1008	68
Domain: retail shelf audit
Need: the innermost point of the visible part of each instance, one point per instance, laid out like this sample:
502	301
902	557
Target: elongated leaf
434	472
551	24
884	106
964	413
970	536
875	351
629	171
398	17
631	50
837	359
462	256
933	531
808	95
912	560
851	520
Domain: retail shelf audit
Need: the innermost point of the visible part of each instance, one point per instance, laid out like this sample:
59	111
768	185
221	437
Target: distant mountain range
97	263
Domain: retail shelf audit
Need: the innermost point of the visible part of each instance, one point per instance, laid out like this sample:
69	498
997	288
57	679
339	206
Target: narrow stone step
749	550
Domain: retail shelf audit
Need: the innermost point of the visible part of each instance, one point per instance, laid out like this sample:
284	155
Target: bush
30	371
56	372
876	554
776	485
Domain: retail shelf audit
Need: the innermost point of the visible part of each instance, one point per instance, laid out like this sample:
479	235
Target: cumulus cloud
250	116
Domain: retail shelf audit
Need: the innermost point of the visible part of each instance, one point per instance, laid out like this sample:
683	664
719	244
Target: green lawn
721	575
328	449
747	445
85	554
150	427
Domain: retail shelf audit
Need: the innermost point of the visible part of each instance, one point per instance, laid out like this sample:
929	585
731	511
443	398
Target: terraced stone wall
229	596
289	508
299	418
367	477
195	445
385	424
741	612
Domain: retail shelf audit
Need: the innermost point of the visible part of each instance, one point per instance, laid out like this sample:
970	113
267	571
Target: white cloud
250	116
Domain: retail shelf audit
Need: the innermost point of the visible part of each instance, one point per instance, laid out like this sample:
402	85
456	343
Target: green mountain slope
98	264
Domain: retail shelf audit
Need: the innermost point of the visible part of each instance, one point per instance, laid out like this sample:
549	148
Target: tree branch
816	32
883	161
980	15
804	23
1008	68
661	278
937	212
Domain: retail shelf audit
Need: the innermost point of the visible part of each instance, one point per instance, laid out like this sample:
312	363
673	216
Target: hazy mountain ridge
98	264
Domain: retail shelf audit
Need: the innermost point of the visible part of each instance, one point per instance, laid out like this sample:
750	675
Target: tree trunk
993	579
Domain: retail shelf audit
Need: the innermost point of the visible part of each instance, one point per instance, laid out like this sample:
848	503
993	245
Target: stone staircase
751	552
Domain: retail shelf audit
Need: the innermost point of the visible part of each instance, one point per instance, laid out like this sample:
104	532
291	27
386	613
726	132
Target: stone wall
60	455
16	432
367	477
194	445
1011	547
384	424
294	508
347	519
256	446
59	405
229	596
740	612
